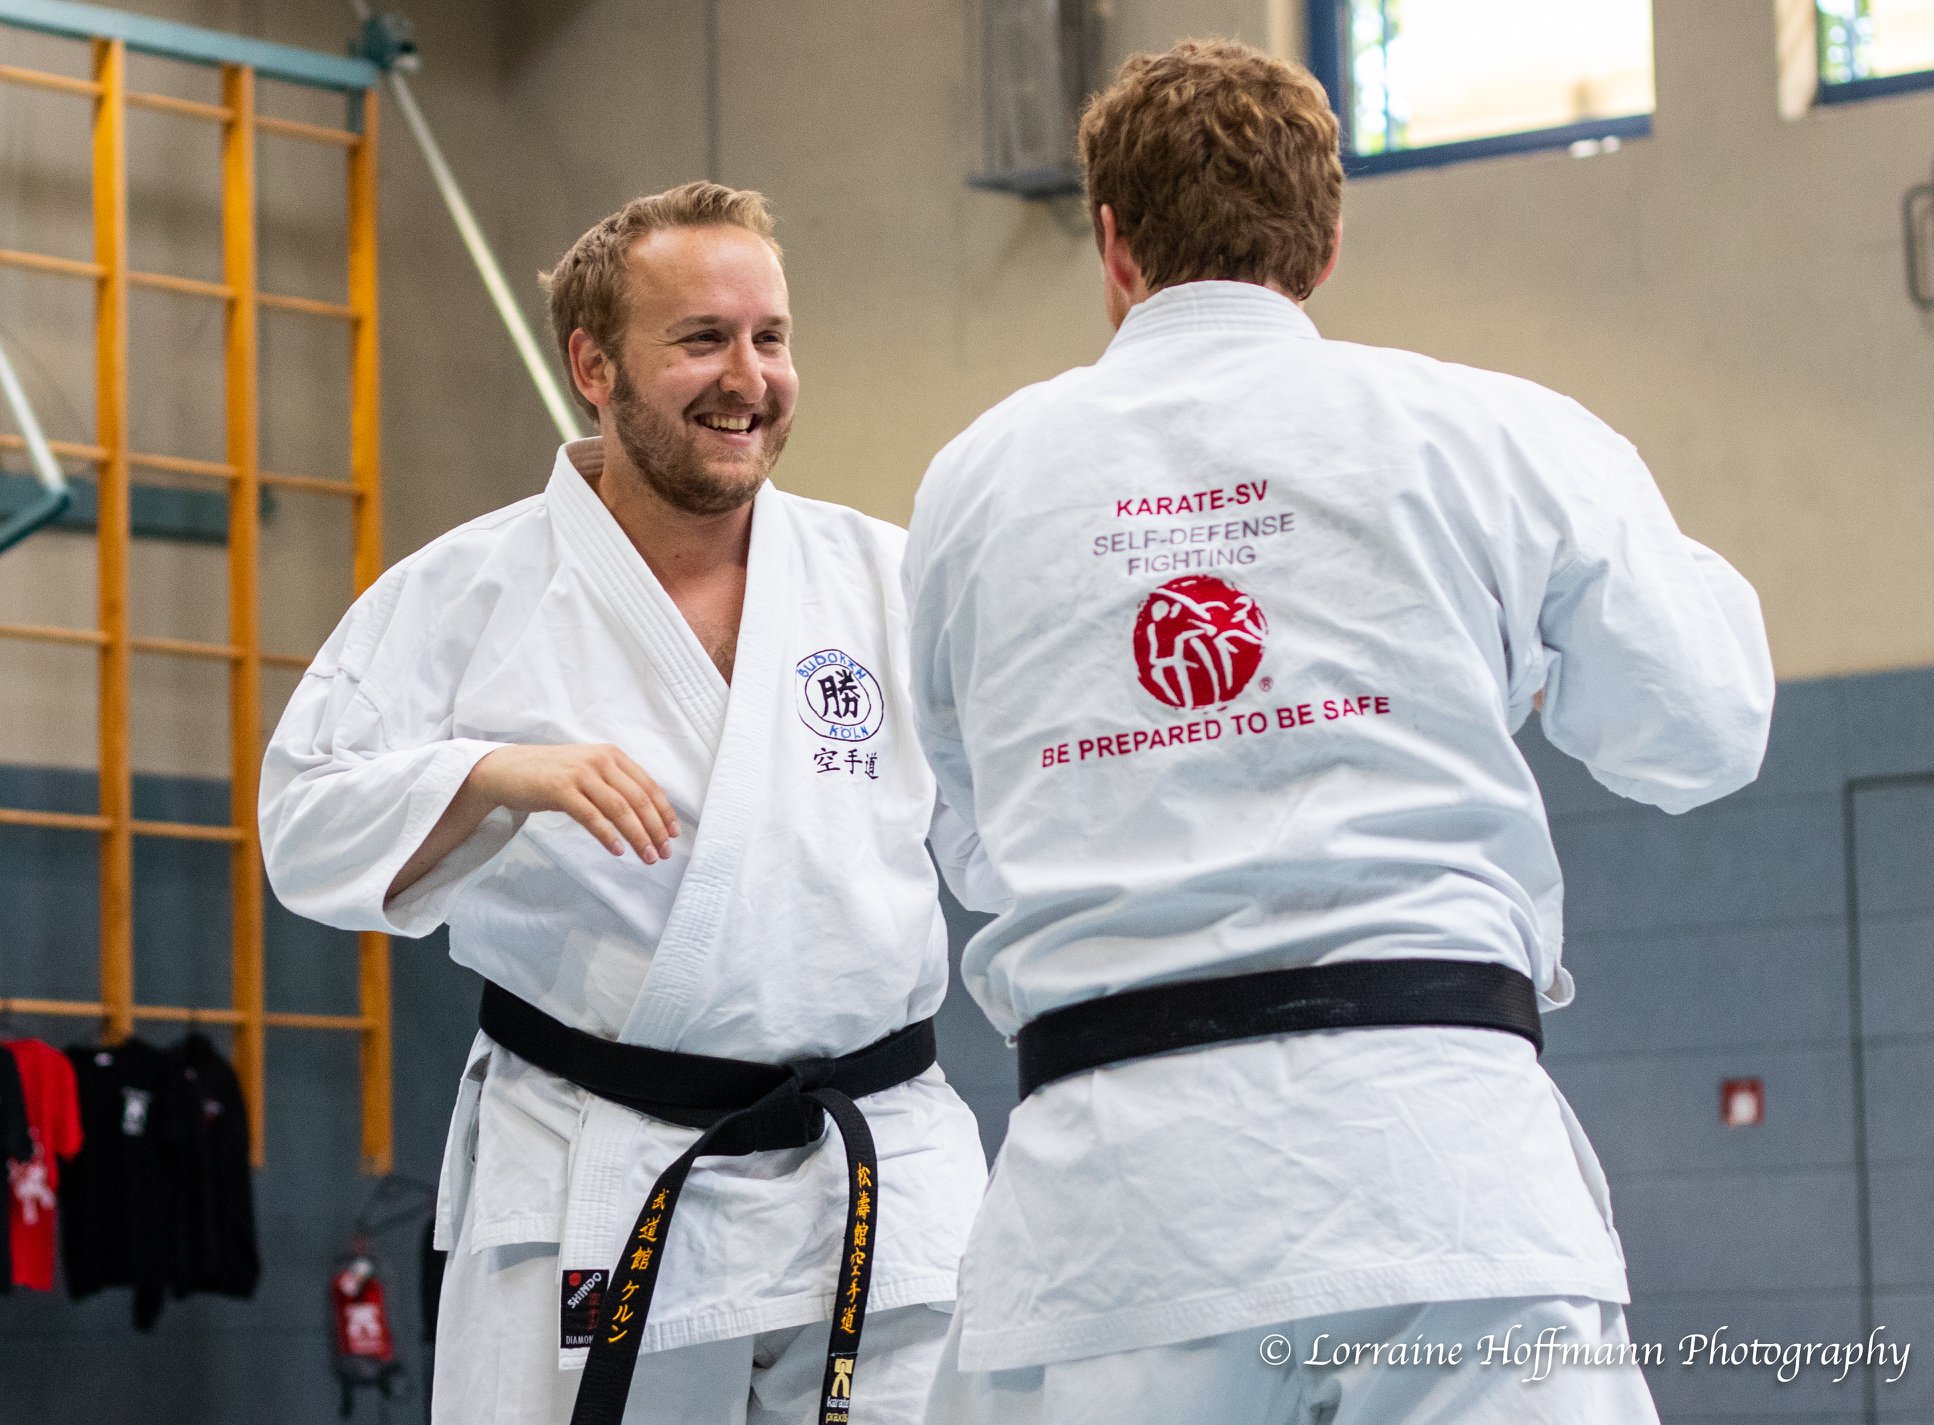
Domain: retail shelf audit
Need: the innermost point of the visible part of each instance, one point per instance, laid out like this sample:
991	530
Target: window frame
1328	23
1828	92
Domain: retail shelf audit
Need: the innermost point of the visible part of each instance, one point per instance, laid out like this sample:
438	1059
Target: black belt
1358	994
743	1108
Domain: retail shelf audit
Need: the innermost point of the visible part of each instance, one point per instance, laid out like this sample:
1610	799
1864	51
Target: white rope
38	453
536	361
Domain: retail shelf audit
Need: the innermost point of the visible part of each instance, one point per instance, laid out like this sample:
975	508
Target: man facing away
642	740
1219	645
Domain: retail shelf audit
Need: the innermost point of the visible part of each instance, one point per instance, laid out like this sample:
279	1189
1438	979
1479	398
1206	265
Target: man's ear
592	372
1336	251
1116	260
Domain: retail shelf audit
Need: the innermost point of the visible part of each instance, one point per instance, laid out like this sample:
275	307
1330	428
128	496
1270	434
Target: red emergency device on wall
365	1348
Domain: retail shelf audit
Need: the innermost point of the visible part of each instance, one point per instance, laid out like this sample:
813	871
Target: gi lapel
594	537
741	776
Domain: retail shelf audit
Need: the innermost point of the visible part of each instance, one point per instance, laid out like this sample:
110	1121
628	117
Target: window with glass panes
1874	47
1420	82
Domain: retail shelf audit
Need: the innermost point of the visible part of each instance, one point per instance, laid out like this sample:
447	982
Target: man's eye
712	337
773	338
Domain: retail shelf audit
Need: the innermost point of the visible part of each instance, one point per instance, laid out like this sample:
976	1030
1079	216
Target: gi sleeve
362	765
963	864
955	835
1658	675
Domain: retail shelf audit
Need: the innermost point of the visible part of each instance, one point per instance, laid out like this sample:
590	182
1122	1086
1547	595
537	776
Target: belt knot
810	1074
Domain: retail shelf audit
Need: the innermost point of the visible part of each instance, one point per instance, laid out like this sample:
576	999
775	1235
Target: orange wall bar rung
46	262
44	79
309	306
305	133
185	108
186	1014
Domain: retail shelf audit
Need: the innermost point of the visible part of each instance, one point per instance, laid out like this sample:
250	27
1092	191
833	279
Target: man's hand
598	787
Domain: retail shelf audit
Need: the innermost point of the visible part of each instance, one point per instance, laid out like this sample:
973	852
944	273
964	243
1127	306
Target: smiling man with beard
643	742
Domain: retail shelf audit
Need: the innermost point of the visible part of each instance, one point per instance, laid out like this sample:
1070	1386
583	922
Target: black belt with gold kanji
743	1108
1356	994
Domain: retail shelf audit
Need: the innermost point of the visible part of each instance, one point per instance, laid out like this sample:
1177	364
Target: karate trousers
496	1359
1261	1377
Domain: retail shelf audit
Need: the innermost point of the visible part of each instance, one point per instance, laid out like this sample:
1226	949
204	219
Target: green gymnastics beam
191	43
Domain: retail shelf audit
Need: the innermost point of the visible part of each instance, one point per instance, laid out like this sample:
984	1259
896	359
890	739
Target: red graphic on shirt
54	1120
1198	641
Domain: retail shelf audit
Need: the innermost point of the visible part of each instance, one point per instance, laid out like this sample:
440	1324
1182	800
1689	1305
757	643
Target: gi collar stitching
592	535
1213	307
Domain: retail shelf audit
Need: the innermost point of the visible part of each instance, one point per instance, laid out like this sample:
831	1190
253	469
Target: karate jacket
1219	645
796	916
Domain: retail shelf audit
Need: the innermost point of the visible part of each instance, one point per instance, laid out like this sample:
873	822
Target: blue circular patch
838	698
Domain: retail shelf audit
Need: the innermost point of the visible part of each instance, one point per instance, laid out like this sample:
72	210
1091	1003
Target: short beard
666	456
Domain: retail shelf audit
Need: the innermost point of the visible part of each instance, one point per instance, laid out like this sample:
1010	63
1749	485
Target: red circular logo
1198	641
576	1277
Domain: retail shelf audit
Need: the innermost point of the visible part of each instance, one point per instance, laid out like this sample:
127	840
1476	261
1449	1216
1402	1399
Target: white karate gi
1312	765
796	915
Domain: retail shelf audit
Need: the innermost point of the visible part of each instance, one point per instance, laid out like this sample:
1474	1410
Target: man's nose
743	376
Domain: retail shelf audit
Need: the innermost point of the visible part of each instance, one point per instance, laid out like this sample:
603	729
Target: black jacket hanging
215	1247
117	1195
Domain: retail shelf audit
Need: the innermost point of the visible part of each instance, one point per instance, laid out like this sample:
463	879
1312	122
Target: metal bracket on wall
1917	222
1039	64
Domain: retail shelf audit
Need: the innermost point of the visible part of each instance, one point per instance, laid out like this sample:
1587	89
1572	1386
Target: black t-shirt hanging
16	1146
117	1195
16	1142
215	1246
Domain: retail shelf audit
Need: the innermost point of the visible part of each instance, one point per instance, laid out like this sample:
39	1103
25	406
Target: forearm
599	787
458	824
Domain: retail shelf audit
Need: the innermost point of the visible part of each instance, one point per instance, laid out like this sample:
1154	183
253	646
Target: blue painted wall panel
1805	756
1738	1235
1686	1395
977	1060
1887	722
1909	1317
1892	824
1715	946
1722	866
1897	973
1900	1100
1568	787
1781	983
1657	1115
1903	1228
